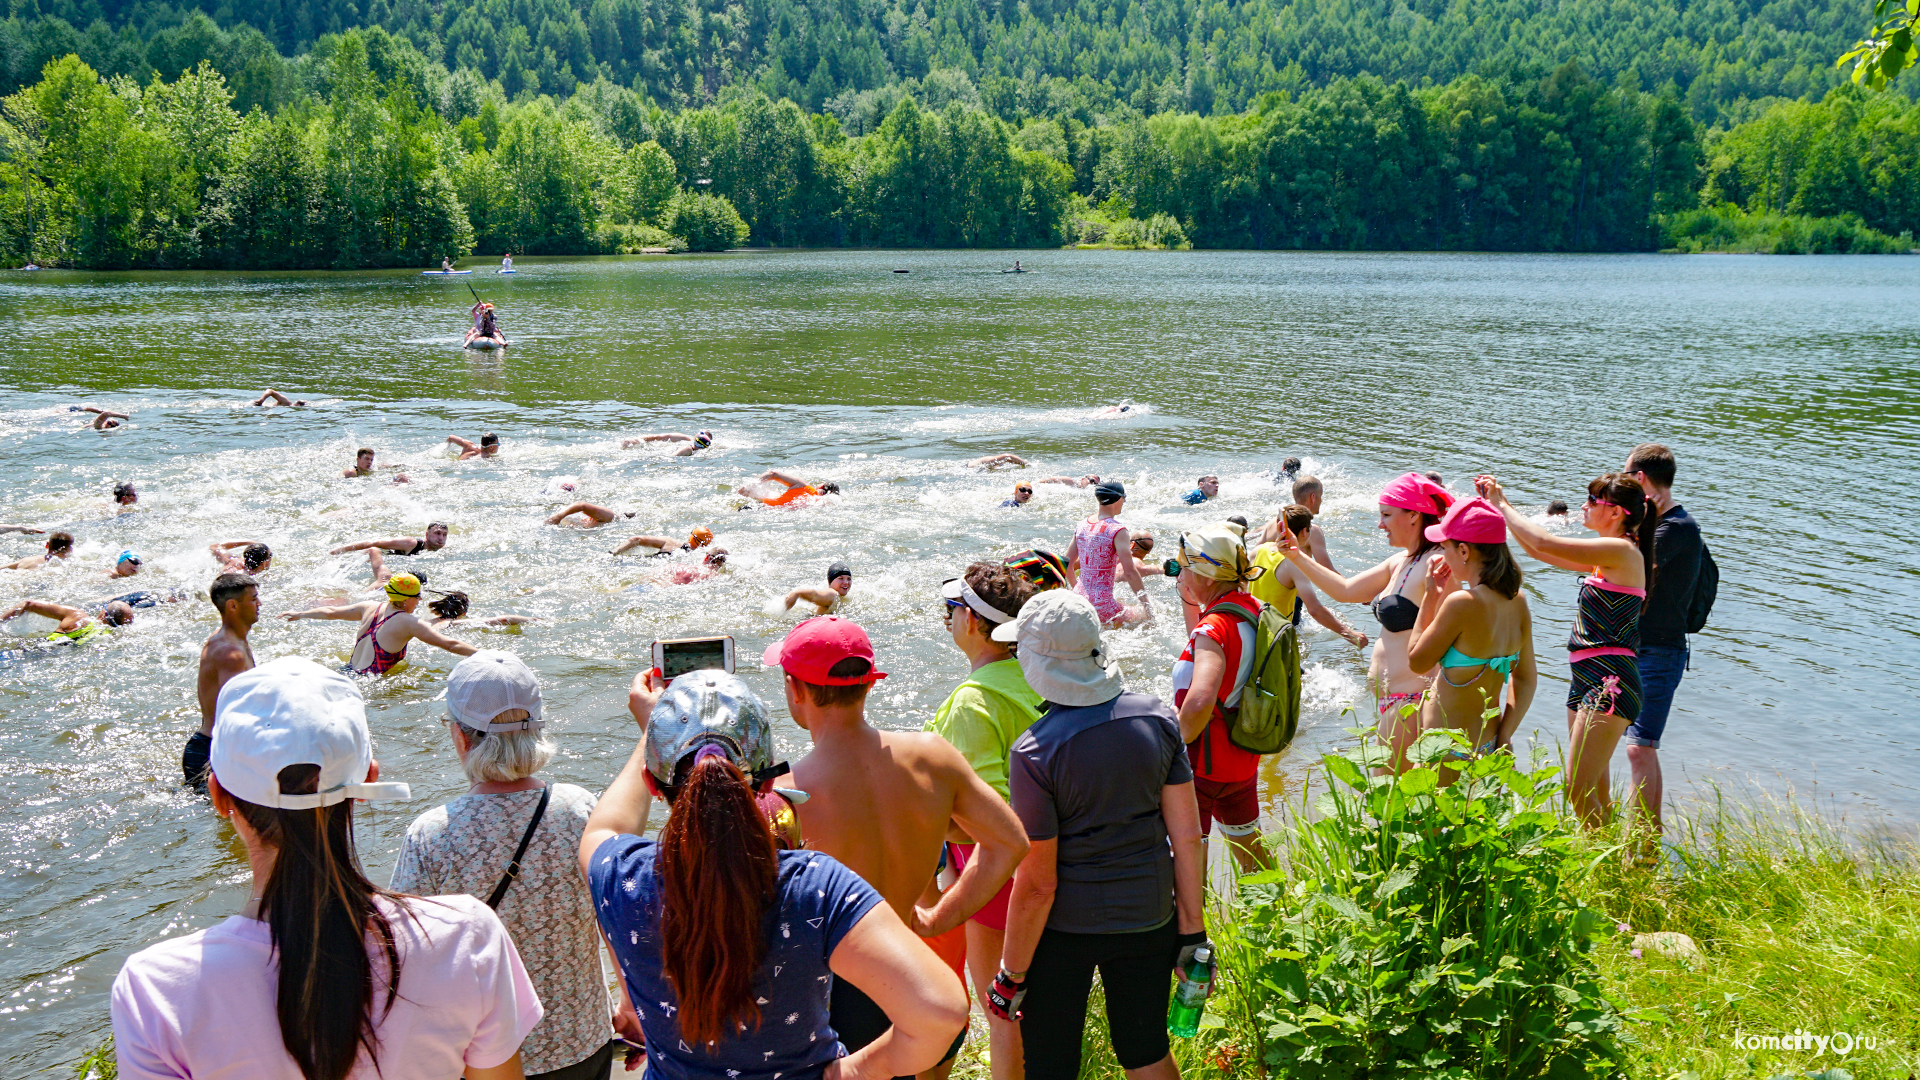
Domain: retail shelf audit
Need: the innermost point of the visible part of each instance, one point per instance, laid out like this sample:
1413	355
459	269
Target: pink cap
1417	493
812	648
1471	521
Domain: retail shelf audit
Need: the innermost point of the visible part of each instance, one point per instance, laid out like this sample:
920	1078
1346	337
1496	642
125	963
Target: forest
366	152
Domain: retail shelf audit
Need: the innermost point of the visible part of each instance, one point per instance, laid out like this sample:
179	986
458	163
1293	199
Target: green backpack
1269	712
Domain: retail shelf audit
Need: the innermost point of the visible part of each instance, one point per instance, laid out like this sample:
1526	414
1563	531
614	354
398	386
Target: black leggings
1136	971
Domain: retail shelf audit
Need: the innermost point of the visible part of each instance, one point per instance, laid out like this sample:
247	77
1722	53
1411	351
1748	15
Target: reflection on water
1785	386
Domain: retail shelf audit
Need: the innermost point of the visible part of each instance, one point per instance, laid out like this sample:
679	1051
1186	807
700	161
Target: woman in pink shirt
323	975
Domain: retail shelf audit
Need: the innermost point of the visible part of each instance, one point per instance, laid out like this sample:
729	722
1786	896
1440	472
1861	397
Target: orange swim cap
701	537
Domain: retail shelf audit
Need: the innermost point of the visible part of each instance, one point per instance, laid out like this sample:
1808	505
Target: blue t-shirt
820	900
1194	497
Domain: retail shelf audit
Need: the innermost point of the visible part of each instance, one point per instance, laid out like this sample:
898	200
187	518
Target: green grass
1729	229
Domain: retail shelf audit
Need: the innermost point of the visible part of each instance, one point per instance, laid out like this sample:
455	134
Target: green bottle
1183	1017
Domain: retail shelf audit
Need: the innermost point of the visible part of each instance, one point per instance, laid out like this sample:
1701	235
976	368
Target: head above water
256	557
403	591
1022	491
1142	544
700	537
125	495
436	536
118	613
1209	484
1557	508
1289	467
838	571
716	558
489	439
702	439
452	605
829	488
60	543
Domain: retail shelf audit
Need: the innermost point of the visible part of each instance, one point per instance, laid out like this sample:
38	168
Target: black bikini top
1397	613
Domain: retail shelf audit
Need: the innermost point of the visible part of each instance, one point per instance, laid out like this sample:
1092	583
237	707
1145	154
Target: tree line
388	159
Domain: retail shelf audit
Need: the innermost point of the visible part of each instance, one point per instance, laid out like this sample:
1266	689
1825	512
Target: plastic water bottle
1196	983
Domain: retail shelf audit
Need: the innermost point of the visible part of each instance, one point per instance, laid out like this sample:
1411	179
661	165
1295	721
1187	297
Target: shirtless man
255	557
763	488
695	443
226	653
386	627
839	580
994	461
363	466
1307	492
435	539
104	419
76	625
661	545
595	514
59	546
883	802
488	446
275	397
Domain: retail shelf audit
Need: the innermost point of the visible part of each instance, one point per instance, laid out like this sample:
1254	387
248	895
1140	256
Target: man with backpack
1230	686
1679	598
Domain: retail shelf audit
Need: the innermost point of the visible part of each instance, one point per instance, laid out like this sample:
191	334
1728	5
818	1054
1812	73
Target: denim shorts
1661	669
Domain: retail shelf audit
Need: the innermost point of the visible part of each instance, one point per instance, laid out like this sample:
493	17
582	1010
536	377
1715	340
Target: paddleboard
506	271
1013	271
486	343
444	273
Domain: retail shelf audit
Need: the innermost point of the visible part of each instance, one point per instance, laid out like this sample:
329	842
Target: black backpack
1706	586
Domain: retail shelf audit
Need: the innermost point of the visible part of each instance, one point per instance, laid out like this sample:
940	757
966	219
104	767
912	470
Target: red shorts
1234	803
994	914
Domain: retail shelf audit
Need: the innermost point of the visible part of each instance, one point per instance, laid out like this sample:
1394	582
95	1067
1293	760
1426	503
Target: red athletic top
1213	755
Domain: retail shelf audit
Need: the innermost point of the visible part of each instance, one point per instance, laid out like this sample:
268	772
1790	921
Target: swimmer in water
795	488
695	443
1207	487
1070	481
76	626
1289	469
21	529
1142	546
699	538
595	514
1557	508
452	608
1022	494
255	558
363	466
58	546
274	397
435	539
994	461
104	419
386	627
124	496
712	562
127	565
1125	408
488	446
839	580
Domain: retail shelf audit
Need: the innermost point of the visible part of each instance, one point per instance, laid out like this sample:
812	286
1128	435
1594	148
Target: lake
1787	387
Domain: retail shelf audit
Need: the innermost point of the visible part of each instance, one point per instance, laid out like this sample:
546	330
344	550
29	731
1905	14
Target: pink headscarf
1417	493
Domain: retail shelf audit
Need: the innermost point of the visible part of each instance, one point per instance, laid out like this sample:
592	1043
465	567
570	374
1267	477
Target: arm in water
69	618
355	612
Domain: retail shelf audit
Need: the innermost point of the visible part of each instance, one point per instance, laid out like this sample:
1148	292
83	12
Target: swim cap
126	555
403	587
700	537
838	570
1109	491
702	439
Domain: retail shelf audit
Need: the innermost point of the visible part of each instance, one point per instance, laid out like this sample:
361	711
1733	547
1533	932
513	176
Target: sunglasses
946	613
1023	491
1591	501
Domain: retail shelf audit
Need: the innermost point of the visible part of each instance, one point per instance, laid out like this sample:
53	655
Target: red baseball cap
812	648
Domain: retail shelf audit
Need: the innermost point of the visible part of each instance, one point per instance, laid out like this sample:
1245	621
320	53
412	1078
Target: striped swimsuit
1604	647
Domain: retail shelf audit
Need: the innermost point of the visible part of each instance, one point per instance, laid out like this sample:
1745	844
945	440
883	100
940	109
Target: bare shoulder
925	750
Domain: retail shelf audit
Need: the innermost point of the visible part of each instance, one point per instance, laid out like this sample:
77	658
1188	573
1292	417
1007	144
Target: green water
1787	387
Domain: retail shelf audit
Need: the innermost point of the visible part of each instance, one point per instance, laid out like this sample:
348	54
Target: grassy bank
1416	930
1729	229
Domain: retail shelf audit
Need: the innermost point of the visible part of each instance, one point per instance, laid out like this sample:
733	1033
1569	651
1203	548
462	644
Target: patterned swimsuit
1604	647
383	660
1094	540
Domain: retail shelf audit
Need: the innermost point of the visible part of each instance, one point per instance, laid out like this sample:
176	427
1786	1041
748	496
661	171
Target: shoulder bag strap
513	868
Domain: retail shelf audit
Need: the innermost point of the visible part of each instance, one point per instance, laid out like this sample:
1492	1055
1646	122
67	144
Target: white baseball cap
292	711
489	683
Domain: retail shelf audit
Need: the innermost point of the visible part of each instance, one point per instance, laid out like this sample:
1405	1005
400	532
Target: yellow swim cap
403	587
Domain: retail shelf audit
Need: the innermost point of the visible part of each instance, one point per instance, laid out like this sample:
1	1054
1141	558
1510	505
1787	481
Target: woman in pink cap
1603	696
1478	634
1409	505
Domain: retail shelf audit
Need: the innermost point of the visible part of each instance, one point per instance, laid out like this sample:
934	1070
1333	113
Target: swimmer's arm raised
59	613
509	620
392	543
1619	558
101	421
820	598
785	478
345	611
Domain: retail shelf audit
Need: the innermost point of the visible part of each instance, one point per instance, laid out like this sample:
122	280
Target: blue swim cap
125	555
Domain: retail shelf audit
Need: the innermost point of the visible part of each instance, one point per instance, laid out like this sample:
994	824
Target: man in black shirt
1663	622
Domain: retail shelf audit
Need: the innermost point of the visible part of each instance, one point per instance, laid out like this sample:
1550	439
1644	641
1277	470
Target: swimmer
59	546
124	496
275	397
1070	481
695	443
1125	408
796	488
255	557
839	580
1100	546
386	627
435	539
595	514
1557	508
452	608
1142	546
76	626
226	653
21	529
699	538
488	446
127	565
363	466
712	562
1289	469
994	461
1435	477
1207	487
1022	493
104	419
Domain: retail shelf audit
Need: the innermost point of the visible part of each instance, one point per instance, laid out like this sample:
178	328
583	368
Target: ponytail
718	875
320	913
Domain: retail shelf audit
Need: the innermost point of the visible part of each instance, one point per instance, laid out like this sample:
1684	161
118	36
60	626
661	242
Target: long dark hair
718	874
1498	571
1427	521
1626	493
320	910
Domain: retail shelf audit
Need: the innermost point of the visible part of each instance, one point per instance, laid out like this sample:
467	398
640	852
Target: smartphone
677	656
